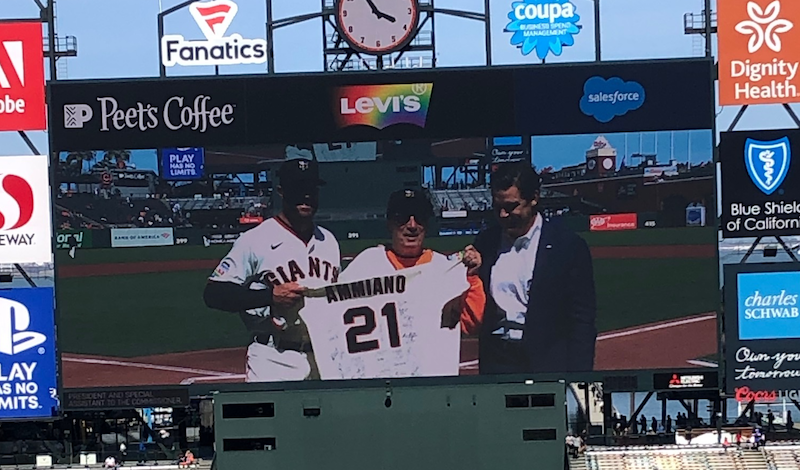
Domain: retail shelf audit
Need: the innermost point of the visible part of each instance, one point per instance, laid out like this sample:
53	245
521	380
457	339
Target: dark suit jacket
560	332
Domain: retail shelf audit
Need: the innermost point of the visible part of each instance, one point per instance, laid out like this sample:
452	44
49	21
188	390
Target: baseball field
135	316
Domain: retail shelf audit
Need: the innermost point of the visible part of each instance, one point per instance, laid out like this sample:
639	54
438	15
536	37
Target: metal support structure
162	70
597	50
638	410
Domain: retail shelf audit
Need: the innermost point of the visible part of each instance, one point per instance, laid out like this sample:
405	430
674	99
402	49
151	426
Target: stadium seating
460	199
677	458
782	457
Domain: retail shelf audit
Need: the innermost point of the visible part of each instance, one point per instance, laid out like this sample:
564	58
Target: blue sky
118	39
562	150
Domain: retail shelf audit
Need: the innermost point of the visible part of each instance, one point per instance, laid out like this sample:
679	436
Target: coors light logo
177	113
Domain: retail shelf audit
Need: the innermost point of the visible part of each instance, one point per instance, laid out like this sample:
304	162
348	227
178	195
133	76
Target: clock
591	164
377	26
608	164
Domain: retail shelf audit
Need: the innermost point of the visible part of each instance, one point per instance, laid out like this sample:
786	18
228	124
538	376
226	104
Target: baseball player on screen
266	272
395	309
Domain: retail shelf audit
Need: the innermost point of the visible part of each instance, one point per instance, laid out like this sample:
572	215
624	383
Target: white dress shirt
511	279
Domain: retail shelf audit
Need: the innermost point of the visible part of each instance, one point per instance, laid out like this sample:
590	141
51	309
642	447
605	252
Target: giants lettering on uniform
292	272
367	288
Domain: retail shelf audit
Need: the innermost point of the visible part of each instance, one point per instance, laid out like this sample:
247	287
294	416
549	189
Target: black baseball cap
407	202
298	171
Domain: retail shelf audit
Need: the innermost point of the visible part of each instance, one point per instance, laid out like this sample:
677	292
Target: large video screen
606	259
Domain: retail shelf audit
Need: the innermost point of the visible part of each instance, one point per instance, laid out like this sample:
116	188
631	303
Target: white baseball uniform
273	253
379	322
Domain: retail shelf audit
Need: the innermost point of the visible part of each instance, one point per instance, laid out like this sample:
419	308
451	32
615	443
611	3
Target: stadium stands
782	457
462	199
678	458
113	212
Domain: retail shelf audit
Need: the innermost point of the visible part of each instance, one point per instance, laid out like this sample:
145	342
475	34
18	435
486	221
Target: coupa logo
767	162
14	323
17	212
543	25
606	99
381	106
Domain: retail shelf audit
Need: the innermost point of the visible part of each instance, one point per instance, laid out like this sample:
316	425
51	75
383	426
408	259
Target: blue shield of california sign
767	162
545	26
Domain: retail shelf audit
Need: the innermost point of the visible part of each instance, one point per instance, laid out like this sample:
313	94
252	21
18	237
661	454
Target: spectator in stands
186	460
123	452
789	421
528	326
668	424
110	462
770	421
643	424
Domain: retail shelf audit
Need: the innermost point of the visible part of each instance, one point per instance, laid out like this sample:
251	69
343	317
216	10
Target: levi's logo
381	106
22	105
14	323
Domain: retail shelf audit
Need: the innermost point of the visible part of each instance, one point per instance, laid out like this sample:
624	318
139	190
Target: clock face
591	164
608	164
377	26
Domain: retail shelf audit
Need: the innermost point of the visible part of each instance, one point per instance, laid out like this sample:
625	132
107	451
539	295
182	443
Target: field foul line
140	365
192	380
660	326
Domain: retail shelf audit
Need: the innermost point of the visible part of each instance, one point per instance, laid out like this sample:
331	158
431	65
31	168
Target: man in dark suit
540	295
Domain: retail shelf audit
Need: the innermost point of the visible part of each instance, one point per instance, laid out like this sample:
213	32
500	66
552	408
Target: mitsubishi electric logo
14	322
213	18
764	26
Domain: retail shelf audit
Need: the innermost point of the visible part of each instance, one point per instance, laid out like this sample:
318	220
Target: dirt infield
679	342
598	252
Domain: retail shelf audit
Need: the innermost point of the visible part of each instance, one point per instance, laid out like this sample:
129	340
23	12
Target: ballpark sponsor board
683	380
22	105
762	325
612	222
25	215
28	385
181	164
365	317
66	239
760	183
758	63
130	237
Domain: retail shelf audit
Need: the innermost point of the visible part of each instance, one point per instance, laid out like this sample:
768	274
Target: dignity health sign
768	305
759	59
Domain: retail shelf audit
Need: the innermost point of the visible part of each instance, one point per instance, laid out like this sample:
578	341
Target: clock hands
379	14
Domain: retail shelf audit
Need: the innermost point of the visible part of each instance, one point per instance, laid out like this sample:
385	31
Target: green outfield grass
142	314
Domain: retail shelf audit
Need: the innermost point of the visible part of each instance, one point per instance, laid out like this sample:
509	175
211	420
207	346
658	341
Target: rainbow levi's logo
381	106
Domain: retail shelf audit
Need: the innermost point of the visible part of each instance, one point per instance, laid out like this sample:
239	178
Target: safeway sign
25	213
22	105
759	57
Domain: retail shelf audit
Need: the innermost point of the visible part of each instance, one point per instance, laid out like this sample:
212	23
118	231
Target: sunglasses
403	218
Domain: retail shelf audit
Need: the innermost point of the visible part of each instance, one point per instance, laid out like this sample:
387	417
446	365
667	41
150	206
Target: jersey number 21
389	311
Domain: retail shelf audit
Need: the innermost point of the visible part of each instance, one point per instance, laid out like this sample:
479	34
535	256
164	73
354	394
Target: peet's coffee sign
760	183
106	399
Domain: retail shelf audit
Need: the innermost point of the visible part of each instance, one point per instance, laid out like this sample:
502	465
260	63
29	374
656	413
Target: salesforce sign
544	26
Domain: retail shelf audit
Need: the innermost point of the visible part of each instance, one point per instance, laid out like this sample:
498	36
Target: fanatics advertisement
762	327
760	183
325	259
28	387
25	220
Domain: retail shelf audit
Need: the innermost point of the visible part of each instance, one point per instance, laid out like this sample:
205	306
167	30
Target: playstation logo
14	323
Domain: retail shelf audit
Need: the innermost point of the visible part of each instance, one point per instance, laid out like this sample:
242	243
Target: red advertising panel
609	222
22	105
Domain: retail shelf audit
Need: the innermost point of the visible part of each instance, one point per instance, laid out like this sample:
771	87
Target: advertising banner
25	210
130	237
680	381
762	328
254	110
183	163
66	239
611	222
22	105
28	387
758	63
760	183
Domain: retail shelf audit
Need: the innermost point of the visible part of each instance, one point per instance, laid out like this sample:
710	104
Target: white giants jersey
271	253
379	322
